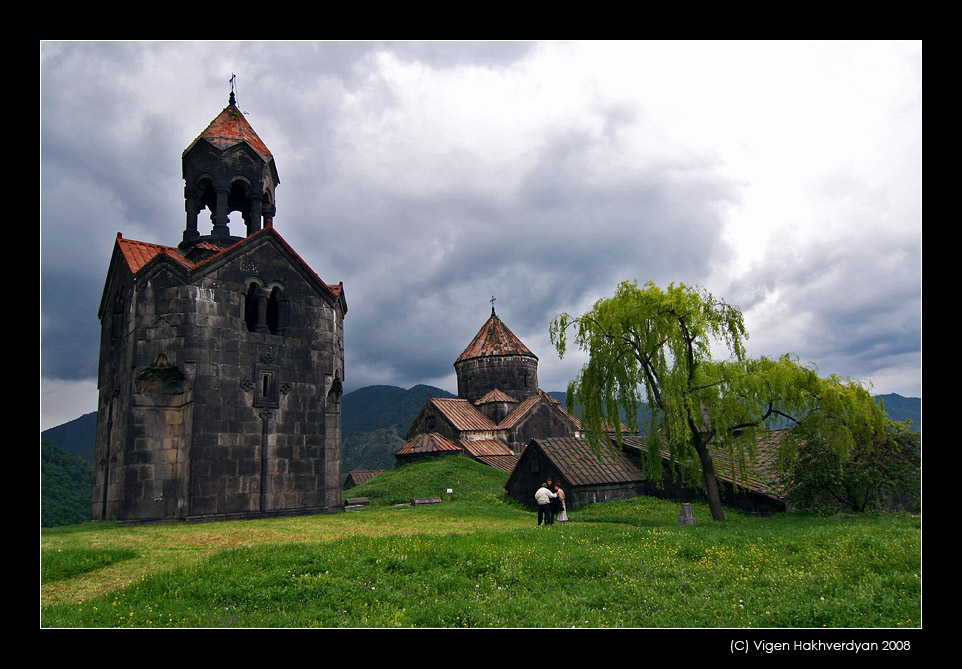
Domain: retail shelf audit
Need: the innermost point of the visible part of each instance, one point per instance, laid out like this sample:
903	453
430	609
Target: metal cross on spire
493	298
233	83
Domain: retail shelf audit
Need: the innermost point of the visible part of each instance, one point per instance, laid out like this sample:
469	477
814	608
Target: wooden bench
426	500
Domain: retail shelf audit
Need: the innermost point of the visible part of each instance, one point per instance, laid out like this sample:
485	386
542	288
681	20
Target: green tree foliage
655	345
869	465
66	484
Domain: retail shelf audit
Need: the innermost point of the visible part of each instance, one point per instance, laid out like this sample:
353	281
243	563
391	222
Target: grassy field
479	560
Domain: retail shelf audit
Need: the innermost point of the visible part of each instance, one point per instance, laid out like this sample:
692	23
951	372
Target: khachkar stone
496	359
221	360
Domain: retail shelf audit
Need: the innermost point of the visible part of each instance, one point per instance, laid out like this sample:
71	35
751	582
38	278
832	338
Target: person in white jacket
543	498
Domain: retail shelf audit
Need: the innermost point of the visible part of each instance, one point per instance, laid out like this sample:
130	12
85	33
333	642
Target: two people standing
551	504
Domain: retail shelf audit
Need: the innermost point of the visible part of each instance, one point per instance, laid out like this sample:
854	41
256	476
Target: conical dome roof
230	128
494	339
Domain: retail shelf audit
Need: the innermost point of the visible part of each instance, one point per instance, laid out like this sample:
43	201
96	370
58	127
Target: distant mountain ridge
903	408
78	436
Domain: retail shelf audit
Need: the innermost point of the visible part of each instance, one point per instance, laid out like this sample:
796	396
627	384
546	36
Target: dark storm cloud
431	176
568	236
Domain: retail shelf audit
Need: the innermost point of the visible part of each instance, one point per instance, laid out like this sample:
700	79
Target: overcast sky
431	176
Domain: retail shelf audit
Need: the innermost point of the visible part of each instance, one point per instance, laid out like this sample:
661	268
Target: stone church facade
221	359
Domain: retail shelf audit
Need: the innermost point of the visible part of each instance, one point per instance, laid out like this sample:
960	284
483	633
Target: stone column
254	218
221	216
262	298
192	206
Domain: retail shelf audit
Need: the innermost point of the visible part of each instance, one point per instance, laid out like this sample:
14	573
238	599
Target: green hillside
467	480
479	560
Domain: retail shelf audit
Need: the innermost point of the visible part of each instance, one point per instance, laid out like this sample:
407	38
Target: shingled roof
359	476
462	414
580	466
761	473
426	443
494	339
528	405
138	254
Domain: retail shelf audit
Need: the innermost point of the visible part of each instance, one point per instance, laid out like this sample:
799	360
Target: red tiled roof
426	443
485	447
230	128
496	396
137	254
494	339
462	414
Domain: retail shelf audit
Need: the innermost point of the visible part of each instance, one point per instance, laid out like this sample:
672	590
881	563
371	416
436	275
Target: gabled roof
496	396
530	404
578	464
359	476
505	463
462	414
230	128
494	339
426	443
491	452
137	255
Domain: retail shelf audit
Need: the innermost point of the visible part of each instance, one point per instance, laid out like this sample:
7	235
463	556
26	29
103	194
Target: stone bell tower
221	358
228	168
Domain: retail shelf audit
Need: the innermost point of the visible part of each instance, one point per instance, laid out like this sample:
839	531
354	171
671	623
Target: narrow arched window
273	310
251	307
264	312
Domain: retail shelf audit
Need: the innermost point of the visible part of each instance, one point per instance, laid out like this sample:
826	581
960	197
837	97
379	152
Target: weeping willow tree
655	346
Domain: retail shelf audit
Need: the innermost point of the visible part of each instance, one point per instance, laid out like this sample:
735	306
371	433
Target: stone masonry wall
515	375
250	428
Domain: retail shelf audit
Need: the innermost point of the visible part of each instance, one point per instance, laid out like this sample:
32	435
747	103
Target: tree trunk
711	481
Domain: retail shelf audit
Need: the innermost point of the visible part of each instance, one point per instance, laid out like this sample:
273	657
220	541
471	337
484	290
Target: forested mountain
66	482
903	408
77	436
374	421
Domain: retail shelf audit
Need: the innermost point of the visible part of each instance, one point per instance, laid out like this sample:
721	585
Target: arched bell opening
266	310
